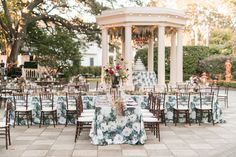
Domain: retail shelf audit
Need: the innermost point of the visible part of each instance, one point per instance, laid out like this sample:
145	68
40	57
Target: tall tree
16	15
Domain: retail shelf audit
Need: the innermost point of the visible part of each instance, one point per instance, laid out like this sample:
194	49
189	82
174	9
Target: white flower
99	118
127	131
109	141
123	122
136	126
118	139
132	117
112	125
104	127
137	111
106	111
100	134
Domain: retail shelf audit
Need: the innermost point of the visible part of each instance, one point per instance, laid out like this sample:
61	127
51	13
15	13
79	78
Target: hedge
192	55
227	84
91	71
215	66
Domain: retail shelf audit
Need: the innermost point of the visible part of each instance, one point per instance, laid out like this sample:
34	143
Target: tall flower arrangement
117	70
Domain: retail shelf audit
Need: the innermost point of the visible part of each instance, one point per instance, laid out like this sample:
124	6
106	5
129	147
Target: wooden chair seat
147	114
151	119
23	109
49	109
85	119
3	125
204	107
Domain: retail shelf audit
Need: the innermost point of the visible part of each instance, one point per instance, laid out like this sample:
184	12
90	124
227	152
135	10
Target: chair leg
56	117
6	137
212	118
18	115
164	117
76	131
44	118
209	116
200	117
177	117
9	135
66	118
80	127
31	117
53	118
158	132
189	119
27	116
14	120
40	122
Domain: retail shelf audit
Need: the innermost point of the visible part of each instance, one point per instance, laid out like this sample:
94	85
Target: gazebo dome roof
142	16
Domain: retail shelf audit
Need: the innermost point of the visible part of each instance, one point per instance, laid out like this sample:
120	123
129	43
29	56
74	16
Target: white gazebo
158	21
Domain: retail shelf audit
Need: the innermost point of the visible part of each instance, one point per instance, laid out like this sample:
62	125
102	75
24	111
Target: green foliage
215	65
192	56
58	50
224	40
227	84
91	70
31	65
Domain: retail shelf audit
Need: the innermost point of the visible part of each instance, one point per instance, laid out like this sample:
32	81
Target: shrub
192	55
215	65
90	71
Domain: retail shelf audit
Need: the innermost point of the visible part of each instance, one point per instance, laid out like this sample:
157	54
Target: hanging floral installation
140	34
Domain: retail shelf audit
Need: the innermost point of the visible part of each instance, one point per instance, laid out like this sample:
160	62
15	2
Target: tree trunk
14	51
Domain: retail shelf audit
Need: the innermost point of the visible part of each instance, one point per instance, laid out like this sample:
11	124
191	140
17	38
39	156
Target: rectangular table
109	128
89	103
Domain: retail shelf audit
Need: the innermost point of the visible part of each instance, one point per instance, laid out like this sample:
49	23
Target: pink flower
111	71
118	67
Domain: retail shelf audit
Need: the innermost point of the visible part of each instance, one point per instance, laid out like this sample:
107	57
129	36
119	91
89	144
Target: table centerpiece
116	72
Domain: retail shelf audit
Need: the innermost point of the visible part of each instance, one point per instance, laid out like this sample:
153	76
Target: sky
174	4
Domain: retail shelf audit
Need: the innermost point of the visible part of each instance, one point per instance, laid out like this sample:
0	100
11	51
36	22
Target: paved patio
182	140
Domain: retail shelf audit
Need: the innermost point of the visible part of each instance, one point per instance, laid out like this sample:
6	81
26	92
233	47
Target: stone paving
182	140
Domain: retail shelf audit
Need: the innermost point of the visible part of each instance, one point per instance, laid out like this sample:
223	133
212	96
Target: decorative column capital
180	30
127	25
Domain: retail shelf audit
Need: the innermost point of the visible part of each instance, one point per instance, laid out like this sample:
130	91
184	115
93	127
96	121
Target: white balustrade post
161	55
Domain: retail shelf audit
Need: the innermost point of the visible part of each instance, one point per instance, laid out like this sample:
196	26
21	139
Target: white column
161	55
105	50
128	55
150	55
179	57
173	55
123	45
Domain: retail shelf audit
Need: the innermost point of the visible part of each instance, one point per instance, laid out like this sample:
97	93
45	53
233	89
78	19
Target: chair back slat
71	99
206	99
46	100
79	103
20	100
8	110
182	99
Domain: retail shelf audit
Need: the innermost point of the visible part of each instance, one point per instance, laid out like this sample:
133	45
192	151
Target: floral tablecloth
89	103
170	102
59	102
108	128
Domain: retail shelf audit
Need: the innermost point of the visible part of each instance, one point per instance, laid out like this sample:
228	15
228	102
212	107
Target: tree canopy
17	15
